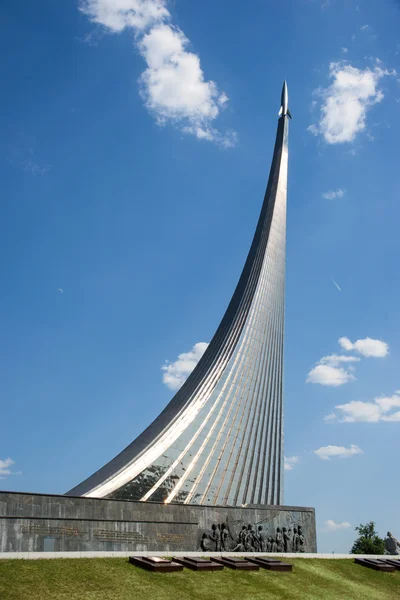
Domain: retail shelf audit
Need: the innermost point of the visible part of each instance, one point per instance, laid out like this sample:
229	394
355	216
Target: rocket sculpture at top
219	441
284	109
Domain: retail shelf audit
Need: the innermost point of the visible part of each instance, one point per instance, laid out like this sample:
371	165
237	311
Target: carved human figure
295	544
240	546
286	539
392	544
290	534
249	539
302	539
216	537
269	544
274	547
205	543
256	541
279	540
261	539
224	537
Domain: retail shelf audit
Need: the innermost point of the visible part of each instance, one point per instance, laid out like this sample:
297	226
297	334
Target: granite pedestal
43	522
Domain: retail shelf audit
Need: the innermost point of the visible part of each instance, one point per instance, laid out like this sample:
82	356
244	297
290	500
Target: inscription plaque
47	530
105	535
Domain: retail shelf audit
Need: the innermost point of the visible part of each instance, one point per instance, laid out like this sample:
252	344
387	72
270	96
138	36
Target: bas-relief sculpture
392	544
253	539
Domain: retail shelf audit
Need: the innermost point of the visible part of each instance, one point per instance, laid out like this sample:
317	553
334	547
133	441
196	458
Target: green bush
368	541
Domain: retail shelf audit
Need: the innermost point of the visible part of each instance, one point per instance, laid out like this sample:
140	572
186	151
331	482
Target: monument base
43	522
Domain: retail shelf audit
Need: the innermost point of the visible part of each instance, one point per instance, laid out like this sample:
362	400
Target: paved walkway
36	555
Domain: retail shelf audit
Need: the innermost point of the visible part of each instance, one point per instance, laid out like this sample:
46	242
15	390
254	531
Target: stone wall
39	522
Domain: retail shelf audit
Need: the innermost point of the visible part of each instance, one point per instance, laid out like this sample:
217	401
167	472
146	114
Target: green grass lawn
116	579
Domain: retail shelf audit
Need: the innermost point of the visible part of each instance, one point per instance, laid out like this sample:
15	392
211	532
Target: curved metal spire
220	439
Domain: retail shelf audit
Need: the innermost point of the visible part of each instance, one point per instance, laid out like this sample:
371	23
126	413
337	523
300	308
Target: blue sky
130	188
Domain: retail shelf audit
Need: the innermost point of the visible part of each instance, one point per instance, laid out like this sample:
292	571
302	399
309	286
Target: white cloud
328	375
116	15
332	194
329	372
290	462
368	347
345	50
173	86
176	373
330	417
365	28
359	411
346	101
327	452
334	360
4	467
332	526
384	408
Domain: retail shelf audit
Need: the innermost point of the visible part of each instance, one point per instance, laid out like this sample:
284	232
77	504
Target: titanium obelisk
220	439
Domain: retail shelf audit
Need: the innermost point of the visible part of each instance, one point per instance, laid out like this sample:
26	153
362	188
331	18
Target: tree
368	541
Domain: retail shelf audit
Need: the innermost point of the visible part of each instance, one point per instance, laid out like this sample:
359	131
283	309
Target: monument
219	441
208	472
392	544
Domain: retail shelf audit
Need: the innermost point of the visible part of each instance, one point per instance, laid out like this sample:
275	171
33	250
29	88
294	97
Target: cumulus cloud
330	372
176	373
330	417
5	465
336	369
328	375
290	462
116	15
368	347
332	194
173	85
334	360
332	526
327	452
346	101
384	408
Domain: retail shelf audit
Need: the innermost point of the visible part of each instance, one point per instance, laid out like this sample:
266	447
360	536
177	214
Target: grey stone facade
38	522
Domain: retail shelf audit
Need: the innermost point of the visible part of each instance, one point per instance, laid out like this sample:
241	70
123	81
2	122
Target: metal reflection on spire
220	439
